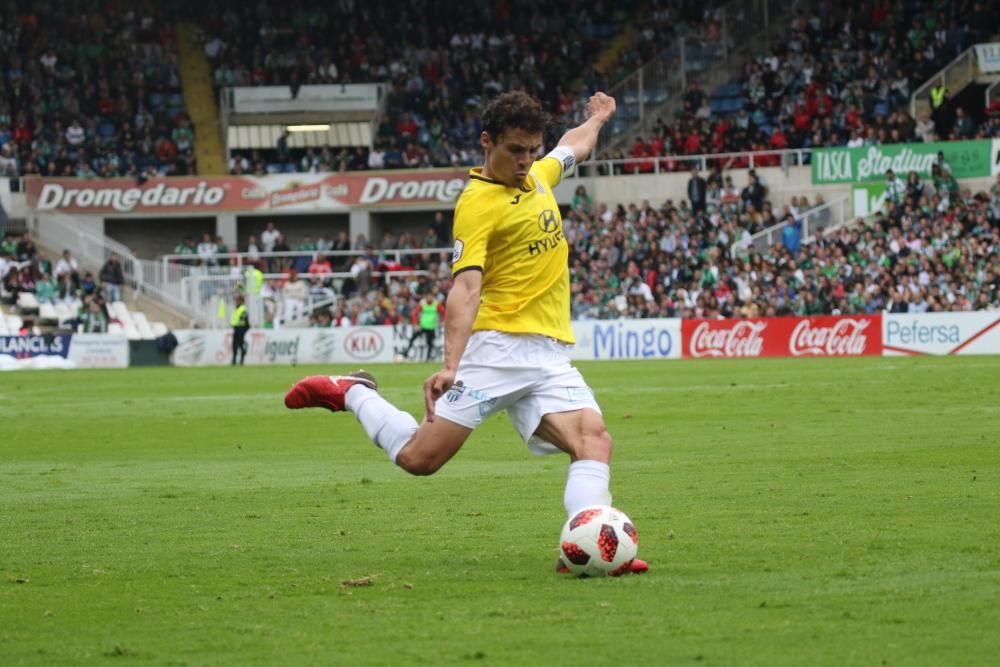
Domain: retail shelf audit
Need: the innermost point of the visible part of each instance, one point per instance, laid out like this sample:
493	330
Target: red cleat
639	566
326	391
635	567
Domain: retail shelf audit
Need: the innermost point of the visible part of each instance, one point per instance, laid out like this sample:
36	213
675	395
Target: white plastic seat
14	323
115	328
27	303
3	325
63	312
142	325
159	329
47	313
131	332
119	311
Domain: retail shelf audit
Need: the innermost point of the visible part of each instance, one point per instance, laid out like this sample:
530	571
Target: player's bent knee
598	446
417	462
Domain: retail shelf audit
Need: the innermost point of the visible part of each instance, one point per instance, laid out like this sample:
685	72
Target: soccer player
507	319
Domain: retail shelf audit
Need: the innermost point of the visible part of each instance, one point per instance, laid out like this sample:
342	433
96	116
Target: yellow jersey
515	237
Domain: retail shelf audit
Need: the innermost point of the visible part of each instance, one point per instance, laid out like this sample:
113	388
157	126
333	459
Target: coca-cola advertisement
826	336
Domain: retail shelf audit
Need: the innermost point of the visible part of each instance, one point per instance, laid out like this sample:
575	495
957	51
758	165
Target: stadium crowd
26	269
841	76
438	70
91	89
932	248
106	101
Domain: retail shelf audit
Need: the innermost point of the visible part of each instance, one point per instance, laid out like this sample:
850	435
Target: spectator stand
91	91
143	277
322	128
820	86
439	72
206	285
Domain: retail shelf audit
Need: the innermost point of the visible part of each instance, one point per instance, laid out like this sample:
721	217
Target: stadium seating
131	106
862	83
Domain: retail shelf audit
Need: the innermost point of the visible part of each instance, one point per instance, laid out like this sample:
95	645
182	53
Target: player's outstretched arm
460	312
582	139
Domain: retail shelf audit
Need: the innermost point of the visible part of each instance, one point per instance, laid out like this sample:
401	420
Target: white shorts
529	376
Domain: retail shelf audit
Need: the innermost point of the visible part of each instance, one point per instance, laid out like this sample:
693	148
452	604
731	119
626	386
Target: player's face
509	158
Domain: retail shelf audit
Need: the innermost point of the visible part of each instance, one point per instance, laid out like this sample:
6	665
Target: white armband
565	157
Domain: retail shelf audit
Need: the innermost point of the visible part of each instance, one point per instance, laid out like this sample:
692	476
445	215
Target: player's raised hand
434	388
601	106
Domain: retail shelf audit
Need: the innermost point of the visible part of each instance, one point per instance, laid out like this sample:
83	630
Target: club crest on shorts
456	390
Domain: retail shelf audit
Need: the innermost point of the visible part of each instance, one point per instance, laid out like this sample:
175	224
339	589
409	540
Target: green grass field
799	512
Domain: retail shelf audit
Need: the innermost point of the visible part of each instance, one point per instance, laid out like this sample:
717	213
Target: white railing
826	217
954	76
174	266
992	93
211	295
90	249
668	164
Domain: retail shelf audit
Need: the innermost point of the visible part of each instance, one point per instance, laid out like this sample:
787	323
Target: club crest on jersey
548	221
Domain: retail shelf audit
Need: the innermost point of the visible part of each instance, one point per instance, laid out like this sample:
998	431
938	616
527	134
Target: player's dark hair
513	110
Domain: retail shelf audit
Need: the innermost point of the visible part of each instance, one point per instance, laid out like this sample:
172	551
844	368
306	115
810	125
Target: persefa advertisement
827	336
942	333
64	351
210	347
279	192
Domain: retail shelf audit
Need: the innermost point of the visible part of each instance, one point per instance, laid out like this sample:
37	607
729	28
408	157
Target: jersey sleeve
558	163
474	220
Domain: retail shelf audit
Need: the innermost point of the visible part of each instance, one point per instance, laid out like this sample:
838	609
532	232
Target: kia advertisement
827	336
342	345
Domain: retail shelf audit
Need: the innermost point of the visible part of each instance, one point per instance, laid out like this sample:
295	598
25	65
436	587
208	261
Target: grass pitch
799	512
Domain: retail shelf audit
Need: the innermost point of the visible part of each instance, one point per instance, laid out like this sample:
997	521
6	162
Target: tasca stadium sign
285	192
967	159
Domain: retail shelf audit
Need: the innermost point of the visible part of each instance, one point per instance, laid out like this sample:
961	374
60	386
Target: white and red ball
598	541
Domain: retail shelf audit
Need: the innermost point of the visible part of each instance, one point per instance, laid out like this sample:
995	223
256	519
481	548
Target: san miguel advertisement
827	336
201	347
279	192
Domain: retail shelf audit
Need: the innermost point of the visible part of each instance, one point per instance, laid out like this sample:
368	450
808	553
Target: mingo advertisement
967	159
626	339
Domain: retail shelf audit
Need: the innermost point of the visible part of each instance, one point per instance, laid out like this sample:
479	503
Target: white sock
587	485
388	427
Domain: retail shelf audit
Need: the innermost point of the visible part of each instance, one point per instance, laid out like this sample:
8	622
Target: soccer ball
598	541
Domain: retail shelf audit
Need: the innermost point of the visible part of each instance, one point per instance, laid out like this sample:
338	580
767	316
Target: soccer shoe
639	566
636	567
326	391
